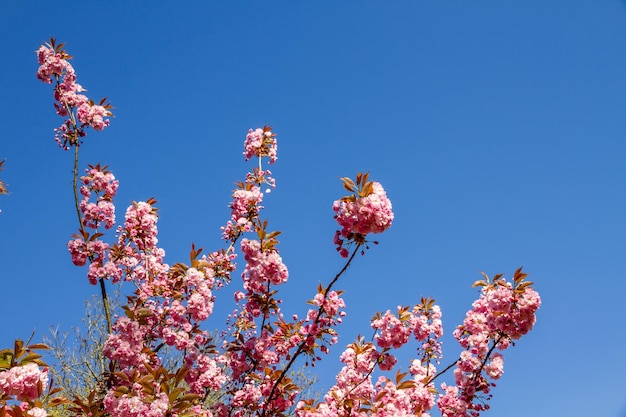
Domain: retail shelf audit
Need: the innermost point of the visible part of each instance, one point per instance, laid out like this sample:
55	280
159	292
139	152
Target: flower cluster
261	142
247	197
80	112
244	209
171	301
136	405
100	182
263	267
367	210
23	382
25	389
503	313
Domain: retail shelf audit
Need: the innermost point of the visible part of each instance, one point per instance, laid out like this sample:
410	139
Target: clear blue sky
497	127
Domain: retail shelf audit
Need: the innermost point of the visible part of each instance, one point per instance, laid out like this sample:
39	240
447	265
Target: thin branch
438	374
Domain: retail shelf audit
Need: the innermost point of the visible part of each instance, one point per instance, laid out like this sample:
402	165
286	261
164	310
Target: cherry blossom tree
245	369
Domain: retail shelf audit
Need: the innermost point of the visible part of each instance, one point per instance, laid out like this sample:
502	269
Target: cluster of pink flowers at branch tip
244	371
23	382
367	210
248	196
80	112
261	143
100	182
25	389
503	313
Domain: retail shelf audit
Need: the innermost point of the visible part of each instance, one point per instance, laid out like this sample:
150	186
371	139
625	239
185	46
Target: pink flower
135	406
50	64
93	115
78	251
392	331
369	214
25	382
127	344
262	267
387	362
261	142
140	225
37	412
246	204
495	368
74	107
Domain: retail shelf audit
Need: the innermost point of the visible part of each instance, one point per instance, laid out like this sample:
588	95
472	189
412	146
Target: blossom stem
75	186
340	273
438	374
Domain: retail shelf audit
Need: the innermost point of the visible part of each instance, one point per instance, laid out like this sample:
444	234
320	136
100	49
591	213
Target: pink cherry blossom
37	412
495	368
261	142
503	312
93	115
50	64
262	267
79	112
135	406
392	331
369	214
24	382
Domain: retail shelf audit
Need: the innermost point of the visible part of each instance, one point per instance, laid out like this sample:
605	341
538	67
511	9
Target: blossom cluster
78	110
137	406
248	196
261	143
244	209
504	312
262	267
101	182
24	382
370	213
25	388
366	211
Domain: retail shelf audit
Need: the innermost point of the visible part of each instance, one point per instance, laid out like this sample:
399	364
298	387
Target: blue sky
496	127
